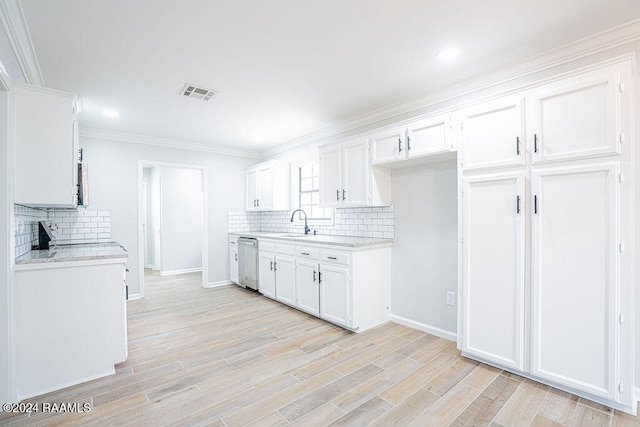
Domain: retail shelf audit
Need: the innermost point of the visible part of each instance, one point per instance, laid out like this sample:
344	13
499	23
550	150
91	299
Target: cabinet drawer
307	252
266	246
335	257
285	249
233	240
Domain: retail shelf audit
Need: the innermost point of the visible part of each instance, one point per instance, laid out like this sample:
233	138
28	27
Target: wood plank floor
230	357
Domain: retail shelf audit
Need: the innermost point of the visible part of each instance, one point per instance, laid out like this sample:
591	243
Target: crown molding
104	135
597	43
15	25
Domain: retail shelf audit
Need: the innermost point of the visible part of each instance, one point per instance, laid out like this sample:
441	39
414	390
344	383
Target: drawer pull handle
332	257
304	253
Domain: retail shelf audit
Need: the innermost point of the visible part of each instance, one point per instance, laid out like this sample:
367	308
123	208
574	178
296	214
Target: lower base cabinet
345	286
335	295
307	286
70	324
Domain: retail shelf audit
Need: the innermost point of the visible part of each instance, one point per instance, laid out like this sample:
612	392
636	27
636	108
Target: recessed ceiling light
448	53
111	113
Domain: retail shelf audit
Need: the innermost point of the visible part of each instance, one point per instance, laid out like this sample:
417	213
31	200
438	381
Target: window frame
296	194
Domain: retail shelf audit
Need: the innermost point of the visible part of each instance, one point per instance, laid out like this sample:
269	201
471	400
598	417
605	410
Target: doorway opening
172	212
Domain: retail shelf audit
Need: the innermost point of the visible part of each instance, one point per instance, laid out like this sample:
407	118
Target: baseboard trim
134	296
636	392
425	328
186	270
219	283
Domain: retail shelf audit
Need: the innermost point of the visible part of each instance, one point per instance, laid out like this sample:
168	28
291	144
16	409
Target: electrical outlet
451	298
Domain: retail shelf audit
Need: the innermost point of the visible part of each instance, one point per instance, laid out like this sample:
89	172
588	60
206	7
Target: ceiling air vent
193	91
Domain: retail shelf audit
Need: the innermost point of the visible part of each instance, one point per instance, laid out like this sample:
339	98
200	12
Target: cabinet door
285	279
265	189
251	179
575	277
577	117
493	268
428	136
46	148
307	286
492	134
355	158
335	295
388	146
266	274
331	176
233	264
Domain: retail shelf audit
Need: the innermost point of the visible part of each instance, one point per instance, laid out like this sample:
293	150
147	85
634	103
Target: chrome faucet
306	227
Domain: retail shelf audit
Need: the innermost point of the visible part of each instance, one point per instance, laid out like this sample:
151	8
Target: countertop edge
373	244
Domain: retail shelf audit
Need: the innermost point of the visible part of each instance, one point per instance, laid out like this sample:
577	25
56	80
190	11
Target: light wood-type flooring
230	357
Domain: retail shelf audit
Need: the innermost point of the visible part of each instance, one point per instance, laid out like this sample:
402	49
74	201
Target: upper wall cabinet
578	117
418	139
493	134
346	178
46	147
267	187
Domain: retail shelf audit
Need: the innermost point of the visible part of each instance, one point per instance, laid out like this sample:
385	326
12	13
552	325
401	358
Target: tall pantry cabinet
546	222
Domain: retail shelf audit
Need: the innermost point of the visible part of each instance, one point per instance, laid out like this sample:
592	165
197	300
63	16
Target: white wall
6	244
113	184
424	262
181	213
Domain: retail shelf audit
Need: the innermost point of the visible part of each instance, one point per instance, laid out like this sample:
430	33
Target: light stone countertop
352	242
76	252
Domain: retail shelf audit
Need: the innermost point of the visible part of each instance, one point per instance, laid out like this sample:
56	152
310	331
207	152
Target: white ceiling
283	68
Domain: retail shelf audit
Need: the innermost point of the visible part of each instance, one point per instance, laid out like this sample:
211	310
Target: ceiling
283	68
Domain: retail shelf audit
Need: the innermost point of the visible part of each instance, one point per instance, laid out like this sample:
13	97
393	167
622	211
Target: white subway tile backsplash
68	226
356	222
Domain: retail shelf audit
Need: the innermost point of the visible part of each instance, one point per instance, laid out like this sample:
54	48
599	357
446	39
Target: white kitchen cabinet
571	327
70	323
335	294
233	260
575	277
418	139
266	274
493	134
307	286
387	145
346	177
285	273
579	117
46	147
350	287
493	264
267	187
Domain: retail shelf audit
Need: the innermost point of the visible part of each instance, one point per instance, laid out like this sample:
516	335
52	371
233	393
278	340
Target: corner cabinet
46	147
546	266
267	187
346	178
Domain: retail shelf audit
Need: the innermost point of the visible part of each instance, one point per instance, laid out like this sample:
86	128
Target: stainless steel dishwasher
248	262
